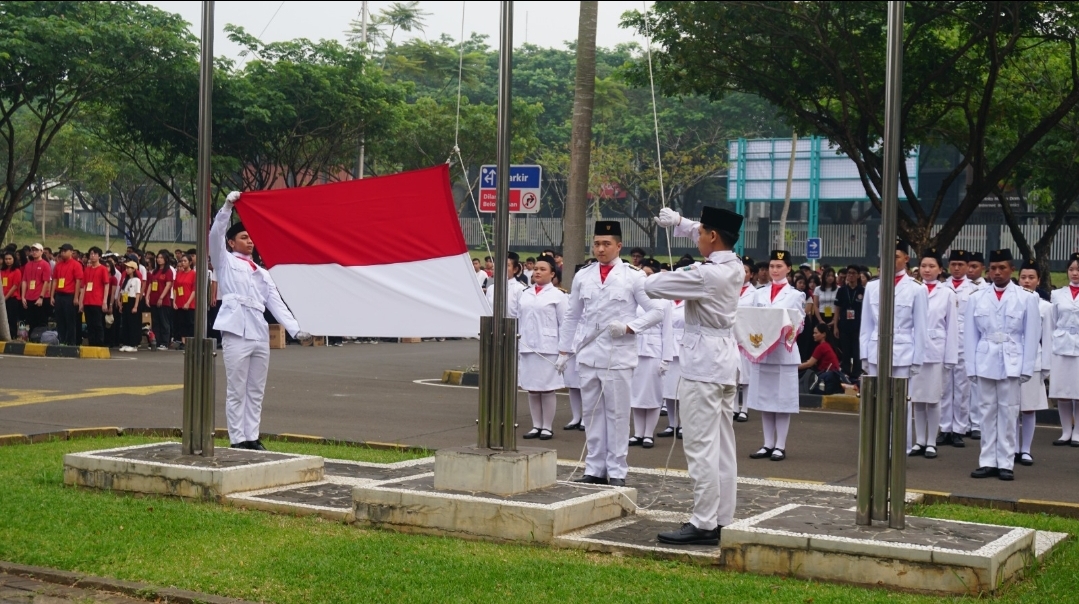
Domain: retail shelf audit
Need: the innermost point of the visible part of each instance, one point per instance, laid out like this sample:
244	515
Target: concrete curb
142	591
29	349
461	378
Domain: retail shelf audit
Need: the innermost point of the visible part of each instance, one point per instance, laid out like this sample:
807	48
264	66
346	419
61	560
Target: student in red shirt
184	288
10	283
159	298
36	275
824	357
95	297
67	278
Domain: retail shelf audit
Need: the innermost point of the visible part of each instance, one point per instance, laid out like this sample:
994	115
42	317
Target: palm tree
584	94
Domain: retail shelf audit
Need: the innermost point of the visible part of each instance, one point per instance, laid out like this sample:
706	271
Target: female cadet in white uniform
1032	397
246	291
573	379
514	289
670	380
773	382
955	405
655	349
1064	362
941	354
539	313
746	297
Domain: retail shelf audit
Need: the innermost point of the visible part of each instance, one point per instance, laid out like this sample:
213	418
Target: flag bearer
246	290
540	310
1064	360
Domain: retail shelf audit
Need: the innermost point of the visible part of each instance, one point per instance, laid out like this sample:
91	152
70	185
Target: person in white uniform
1032	395
540	309
514	286
670	380
708	366
773	381
911	301
246	291
955	404
746	297
1002	332
975	270
1064	359
605	299
941	355
655	350
572	378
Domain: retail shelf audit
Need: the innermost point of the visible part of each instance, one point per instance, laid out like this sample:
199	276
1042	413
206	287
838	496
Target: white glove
303	335
233	197
664	366
617	329
1024	379
561	362
668	218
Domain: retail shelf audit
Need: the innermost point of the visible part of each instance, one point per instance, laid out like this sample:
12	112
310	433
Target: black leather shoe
580	426
1006	475
985	472
957	441
572	426
741	417
617	482
976	434
916	451
1074	443
647	443
588	479
635	441
679	432
256	445
761	453
533	433
1061	442
1025	459
546	435
242	445
930	452
778	455
666	433
690	535
663	412
943	438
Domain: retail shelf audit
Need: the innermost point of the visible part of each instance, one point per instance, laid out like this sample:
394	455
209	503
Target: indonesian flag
759	331
378	257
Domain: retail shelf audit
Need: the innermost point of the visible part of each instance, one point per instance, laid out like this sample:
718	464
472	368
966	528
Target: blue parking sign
813	248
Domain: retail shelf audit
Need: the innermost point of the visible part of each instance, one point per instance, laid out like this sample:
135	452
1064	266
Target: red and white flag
378	257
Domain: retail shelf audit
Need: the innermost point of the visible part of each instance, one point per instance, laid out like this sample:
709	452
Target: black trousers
130	325
849	353
161	317
183	324
113	337
36	316
67	318
95	325
14	312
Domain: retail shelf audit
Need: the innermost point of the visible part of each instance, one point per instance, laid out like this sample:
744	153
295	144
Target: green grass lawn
277	558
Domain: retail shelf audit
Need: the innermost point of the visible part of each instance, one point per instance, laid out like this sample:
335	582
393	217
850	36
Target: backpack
35	334
50	337
829	382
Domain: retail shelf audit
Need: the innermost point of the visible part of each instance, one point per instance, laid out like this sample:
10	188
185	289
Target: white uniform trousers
1000	407
605	395
246	364
974	405
954	409
708	439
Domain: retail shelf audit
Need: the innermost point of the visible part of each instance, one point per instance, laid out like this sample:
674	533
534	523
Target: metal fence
164	231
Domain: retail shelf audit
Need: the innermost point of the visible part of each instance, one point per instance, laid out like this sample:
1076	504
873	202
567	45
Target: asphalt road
390	393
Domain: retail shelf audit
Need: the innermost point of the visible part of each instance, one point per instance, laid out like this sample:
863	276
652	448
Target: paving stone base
162	469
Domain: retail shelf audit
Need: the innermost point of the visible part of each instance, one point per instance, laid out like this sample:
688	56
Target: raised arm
686	283
654	310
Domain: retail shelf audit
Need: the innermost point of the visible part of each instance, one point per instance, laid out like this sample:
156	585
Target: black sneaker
690	535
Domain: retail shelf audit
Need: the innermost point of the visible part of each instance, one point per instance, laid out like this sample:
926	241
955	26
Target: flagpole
198	412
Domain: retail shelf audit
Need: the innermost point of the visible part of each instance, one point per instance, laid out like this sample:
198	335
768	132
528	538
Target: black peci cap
781	255
746	260
1029	264
234	230
934	254
977	257
902	245
608	227
1004	255
959	256
721	220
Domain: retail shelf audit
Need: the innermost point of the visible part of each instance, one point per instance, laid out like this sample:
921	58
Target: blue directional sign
524	188
813	248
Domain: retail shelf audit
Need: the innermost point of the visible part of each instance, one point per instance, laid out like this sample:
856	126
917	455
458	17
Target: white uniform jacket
245	292
595	304
942	326
908	339
963	292
710	291
791	299
1065	323
515	289
678	325
538	316
1045	352
657	341
1002	335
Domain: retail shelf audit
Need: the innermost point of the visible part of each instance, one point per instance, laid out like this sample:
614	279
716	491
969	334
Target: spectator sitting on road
824	357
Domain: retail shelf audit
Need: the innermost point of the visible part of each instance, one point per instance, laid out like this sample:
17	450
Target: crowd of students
101	297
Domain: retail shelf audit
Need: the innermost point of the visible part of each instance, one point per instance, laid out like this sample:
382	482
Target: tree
822	64
57	56
573	233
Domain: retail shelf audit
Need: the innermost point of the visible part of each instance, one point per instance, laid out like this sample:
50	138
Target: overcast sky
548	23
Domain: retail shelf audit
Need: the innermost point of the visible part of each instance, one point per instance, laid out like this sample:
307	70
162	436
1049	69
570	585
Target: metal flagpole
198	426
498	335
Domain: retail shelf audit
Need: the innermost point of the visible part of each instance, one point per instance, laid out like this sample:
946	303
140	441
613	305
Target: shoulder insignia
1028	290
689	268
563	290
920	282
631	266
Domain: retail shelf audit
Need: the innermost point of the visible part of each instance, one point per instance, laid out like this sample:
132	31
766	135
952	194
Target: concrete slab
474	469
161	468
930	555
415	505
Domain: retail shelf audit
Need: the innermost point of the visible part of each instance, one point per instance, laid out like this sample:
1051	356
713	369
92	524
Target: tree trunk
781	240
5	330
584	92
